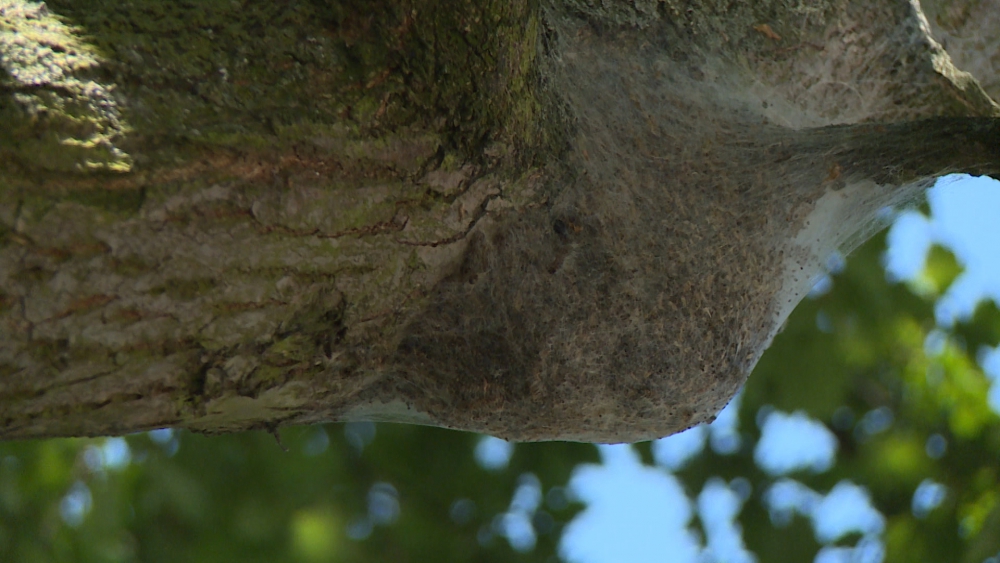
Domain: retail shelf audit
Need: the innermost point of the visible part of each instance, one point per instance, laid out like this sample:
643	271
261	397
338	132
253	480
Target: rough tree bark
576	219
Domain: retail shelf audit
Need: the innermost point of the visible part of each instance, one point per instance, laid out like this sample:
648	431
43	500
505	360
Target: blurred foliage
404	494
865	351
940	270
869	346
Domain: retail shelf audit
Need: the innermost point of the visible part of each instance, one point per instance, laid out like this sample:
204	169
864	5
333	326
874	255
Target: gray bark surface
573	220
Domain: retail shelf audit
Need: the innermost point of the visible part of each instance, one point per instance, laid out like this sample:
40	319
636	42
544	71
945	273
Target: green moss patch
57	115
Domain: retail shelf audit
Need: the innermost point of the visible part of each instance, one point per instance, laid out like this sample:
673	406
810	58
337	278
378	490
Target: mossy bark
564	220
268	188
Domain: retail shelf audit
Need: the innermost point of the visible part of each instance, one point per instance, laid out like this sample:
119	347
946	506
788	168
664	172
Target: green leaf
940	270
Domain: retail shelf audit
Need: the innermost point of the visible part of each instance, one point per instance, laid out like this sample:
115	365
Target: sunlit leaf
940	270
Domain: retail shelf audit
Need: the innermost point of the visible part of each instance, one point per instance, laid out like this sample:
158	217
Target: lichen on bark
55	116
302	172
